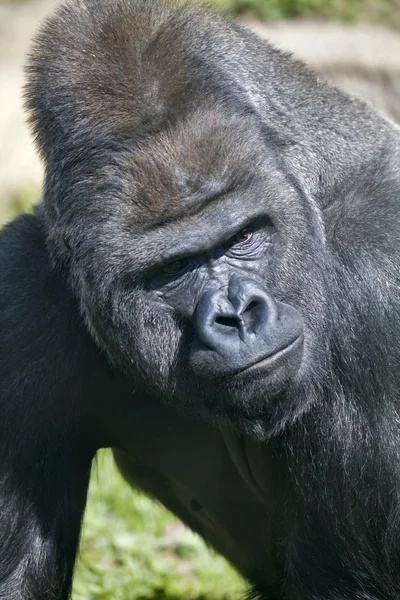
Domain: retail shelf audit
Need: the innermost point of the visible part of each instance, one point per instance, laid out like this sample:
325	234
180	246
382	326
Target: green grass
21	201
377	11
131	547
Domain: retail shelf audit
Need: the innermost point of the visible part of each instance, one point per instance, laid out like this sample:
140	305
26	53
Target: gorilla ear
104	72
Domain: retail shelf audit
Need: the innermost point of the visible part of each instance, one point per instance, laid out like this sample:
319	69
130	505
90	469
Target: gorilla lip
271	359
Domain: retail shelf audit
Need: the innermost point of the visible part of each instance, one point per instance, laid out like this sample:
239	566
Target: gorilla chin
246	400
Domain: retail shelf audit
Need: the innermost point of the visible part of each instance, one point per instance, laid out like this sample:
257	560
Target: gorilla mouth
272	361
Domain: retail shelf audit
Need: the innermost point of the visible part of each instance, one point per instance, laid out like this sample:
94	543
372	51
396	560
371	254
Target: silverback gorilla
211	287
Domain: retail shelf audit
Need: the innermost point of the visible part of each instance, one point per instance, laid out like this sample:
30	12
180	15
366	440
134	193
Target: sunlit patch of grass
382	11
132	548
21	201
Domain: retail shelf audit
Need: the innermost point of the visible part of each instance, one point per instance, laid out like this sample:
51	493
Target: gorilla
211	287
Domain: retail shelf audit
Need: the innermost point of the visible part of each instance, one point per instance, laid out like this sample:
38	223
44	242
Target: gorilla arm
46	444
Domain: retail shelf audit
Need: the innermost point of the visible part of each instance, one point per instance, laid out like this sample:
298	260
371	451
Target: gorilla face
197	279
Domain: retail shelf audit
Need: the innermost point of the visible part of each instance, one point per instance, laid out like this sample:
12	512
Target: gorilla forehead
179	171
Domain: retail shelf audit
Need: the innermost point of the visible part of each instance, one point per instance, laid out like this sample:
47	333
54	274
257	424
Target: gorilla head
189	208
198	307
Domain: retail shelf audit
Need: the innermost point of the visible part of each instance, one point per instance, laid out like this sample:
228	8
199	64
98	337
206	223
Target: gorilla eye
173	267
243	235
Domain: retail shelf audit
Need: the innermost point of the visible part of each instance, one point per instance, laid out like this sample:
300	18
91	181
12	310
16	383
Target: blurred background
131	547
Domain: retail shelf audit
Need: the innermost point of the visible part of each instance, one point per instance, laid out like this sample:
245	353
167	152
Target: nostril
227	321
253	304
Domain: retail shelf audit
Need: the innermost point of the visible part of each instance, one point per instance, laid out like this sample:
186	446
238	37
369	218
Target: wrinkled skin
210	286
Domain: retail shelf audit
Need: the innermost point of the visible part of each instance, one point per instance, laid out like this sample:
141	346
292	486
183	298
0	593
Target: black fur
166	133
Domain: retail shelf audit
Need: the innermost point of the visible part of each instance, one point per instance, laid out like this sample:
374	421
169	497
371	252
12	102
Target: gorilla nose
244	324
227	317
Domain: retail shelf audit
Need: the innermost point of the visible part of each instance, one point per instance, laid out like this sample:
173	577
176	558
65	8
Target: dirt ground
363	59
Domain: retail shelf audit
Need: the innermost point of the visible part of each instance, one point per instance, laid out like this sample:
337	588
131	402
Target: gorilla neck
248	498
212	481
